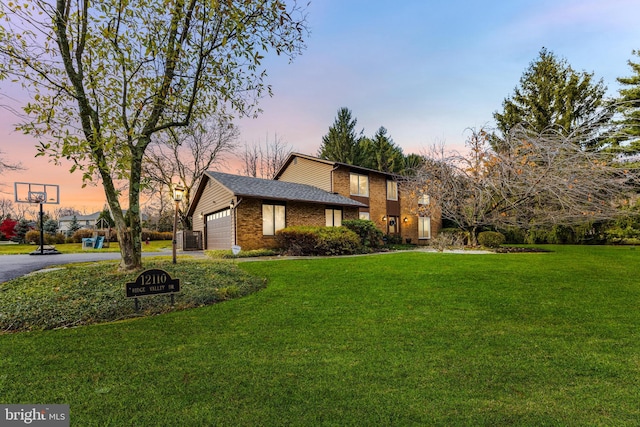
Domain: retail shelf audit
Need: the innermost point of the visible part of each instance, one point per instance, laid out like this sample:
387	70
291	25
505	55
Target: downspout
234	223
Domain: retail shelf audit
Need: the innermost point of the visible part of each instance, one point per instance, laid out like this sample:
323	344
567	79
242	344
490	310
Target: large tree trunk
129	237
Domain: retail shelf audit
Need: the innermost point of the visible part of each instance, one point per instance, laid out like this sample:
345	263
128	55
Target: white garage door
219	230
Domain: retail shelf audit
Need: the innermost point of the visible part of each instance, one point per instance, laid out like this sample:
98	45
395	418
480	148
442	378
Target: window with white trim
218	215
333	217
359	185
364	215
392	190
424	227
273	219
424	199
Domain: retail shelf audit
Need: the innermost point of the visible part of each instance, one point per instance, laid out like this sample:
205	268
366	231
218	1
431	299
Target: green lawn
68	248
397	339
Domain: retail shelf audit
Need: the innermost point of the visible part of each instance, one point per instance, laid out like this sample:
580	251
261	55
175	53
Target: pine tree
74	225
20	230
627	136
380	153
552	96
341	144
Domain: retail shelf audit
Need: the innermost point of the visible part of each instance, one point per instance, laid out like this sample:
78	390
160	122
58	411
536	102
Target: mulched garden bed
519	250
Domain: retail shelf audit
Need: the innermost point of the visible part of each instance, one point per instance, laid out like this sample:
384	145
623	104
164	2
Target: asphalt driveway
12	266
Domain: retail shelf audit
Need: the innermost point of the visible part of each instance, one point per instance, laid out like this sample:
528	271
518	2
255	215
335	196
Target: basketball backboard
37	193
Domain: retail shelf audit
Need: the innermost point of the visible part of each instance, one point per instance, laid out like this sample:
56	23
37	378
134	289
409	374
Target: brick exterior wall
379	206
248	217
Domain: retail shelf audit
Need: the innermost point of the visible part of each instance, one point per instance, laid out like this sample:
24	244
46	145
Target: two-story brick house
394	210
244	211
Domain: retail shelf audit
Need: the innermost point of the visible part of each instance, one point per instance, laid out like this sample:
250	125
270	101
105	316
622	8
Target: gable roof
90	217
289	159
246	186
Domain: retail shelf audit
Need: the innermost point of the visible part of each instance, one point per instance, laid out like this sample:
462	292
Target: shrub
392	239
318	240
7	228
491	239
370	235
447	240
33	236
81	234
156	235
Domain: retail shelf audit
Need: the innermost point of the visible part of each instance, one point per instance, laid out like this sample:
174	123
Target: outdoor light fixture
201	215
406	219
232	204
178	193
384	218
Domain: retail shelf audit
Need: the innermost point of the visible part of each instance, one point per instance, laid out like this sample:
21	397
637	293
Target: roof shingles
279	190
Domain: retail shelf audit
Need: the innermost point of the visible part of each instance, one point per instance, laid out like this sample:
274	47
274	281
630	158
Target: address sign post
152	282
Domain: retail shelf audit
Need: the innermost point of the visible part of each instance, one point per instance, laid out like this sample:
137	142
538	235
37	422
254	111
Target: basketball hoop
37	197
26	192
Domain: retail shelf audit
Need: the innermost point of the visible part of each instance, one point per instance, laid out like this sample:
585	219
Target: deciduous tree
264	160
107	75
181	156
533	181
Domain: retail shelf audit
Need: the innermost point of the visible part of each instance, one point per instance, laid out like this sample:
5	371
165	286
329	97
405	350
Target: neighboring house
393	210
245	211
85	221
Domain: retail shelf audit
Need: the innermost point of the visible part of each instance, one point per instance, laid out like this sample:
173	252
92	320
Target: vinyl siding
305	171
214	197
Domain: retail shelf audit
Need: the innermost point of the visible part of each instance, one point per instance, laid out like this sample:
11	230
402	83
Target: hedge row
319	241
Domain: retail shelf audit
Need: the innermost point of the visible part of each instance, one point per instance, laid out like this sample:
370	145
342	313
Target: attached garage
218	230
245	211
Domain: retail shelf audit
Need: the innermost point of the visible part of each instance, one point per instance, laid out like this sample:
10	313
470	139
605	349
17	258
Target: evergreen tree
342	144
20	230
626	139
74	225
413	162
380	153
552	96
50	226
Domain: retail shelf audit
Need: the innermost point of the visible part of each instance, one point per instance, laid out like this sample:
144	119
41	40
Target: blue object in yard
87	243
99	242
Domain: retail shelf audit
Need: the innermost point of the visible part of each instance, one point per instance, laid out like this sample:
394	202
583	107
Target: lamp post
178	192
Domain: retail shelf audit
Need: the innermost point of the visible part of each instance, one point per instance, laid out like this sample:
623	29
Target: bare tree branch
534	180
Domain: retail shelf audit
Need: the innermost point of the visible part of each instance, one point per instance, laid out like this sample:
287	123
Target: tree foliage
381	153
626	139
533	181
551	95
74	225
107	75
342	142
7	227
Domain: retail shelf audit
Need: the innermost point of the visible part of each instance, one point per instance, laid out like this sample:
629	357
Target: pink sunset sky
425	70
